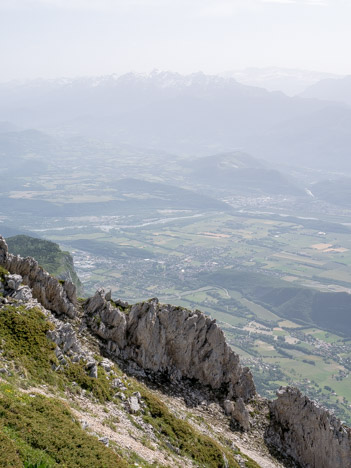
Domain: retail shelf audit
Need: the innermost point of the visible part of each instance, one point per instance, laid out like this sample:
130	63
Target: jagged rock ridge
307	432
172	340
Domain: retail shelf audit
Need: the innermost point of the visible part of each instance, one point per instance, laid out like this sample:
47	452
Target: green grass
184	437
9	452
101	387
3	273
31	354
40	429
24	342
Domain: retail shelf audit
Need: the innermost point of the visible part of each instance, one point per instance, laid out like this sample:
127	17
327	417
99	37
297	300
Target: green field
220	264
262	276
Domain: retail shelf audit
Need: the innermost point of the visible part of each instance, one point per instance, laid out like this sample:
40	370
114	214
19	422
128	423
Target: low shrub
48	426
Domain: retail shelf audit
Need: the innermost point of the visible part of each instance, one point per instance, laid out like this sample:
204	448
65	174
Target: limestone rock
23	293
237	410
54	296
107	365
108	296
94	372
106	320
307	432
14	282
105	441
228	407
117	383
241	414
65	337
133	404
91	366
173	341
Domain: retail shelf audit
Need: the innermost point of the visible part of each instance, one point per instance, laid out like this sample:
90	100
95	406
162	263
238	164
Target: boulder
238	412
14	282
133	404
23	293
241	414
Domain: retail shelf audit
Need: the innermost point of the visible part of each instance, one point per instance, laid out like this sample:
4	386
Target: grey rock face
237	410
241	414
171	340
12	287
23	294
308	433
14	282
94	372
106	365
47	290
107	321
228	407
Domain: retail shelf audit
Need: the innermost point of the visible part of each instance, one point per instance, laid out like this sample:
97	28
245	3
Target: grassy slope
38	429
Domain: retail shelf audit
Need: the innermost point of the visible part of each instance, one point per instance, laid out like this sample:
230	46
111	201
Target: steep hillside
48	255
102	383
332	89
336	191
63	404
326	310
240	173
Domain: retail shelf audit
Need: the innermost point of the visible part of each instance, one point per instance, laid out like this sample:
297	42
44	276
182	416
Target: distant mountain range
191	115
288	80
332	89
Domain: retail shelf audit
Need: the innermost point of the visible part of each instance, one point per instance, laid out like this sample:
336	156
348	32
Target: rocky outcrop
106	320
238	412
54	296
173	341
11	285
308	433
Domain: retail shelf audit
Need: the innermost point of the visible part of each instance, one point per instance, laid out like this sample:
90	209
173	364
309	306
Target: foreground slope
191	405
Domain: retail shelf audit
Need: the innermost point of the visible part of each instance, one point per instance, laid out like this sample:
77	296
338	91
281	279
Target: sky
56	38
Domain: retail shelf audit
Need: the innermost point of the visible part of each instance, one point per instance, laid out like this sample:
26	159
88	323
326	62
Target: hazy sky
51	38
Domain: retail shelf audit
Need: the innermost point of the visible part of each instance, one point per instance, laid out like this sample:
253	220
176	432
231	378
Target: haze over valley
219	180
200	191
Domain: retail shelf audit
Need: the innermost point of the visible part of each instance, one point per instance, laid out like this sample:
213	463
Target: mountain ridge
193	114
107	318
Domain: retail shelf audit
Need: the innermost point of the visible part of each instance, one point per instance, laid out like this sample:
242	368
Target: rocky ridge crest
173	341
